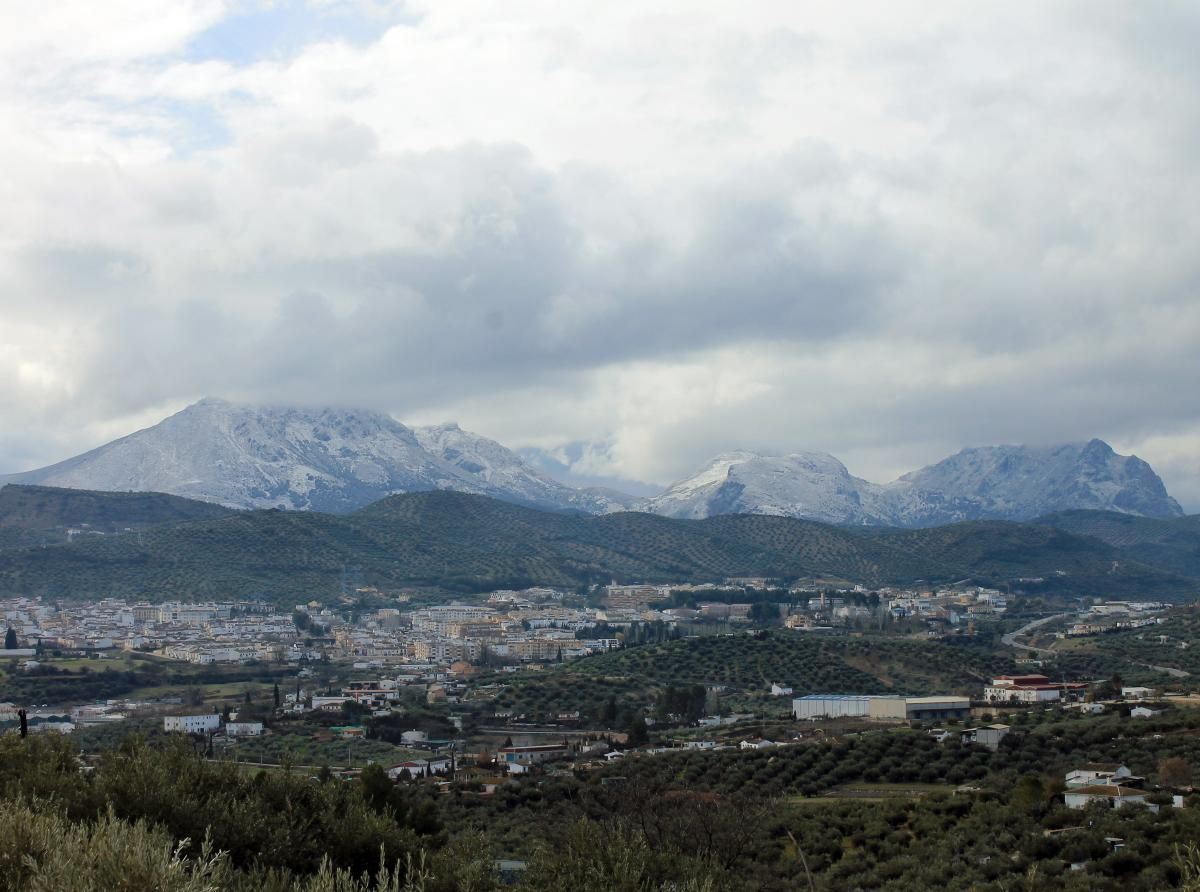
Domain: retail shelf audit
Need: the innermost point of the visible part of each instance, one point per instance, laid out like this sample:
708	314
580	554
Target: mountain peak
340	459
979	482
321	458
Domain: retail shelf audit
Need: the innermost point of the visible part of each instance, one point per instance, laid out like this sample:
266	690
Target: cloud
648	237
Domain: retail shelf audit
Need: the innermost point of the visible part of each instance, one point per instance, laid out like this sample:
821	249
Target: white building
192	724
243	729
820	706
1091	775
1029	689
1114	794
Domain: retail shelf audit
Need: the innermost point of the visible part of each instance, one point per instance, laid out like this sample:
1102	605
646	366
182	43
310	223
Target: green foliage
274	820
661	677
726	820
41	515
1125	649
612	857
471	543
1170	543
42	850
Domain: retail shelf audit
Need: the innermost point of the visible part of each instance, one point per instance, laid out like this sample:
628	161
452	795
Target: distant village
509	627
438	649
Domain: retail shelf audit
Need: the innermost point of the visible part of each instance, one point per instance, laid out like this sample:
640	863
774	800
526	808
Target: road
1011	638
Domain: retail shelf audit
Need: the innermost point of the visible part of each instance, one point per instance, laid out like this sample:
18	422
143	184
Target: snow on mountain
341	459
505	471
1022	482
998	482
808	484
319	459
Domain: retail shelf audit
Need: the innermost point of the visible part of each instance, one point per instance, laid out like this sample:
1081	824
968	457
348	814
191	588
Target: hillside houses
1031	689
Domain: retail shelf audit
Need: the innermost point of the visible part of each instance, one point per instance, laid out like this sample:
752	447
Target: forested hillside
36	515
1171	544
466	543
744	665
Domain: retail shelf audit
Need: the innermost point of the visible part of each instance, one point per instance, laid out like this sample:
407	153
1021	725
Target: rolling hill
748	664
467	543
38	515
1171	544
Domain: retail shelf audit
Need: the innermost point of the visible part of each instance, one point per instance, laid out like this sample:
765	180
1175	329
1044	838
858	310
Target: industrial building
831	706
880	707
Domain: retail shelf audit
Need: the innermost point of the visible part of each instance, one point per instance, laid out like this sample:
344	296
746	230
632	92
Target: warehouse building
881	707
831	706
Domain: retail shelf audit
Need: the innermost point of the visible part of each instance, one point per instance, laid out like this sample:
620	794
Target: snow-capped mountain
808	484
505	471
995	482
1022	482
341	459
319	459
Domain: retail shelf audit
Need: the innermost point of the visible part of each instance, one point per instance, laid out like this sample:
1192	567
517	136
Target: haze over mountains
339	460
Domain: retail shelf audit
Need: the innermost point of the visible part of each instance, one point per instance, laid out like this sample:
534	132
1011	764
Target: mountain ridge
977	483
303	459
463	542
339	460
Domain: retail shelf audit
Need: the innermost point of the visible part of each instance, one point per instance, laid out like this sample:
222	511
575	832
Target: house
532	755
757	744
329	704
414	768
1091	708
419	768
1099	773
1136	693
1029	689
243	729
778	690
1114	795
989	736
349	732
1144	712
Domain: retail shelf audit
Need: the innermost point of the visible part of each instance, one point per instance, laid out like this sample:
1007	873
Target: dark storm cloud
419	326
883	233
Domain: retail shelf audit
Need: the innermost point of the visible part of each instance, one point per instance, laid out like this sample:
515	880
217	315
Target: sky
631	235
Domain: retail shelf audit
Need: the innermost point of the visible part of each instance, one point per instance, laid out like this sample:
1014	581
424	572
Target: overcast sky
660	230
